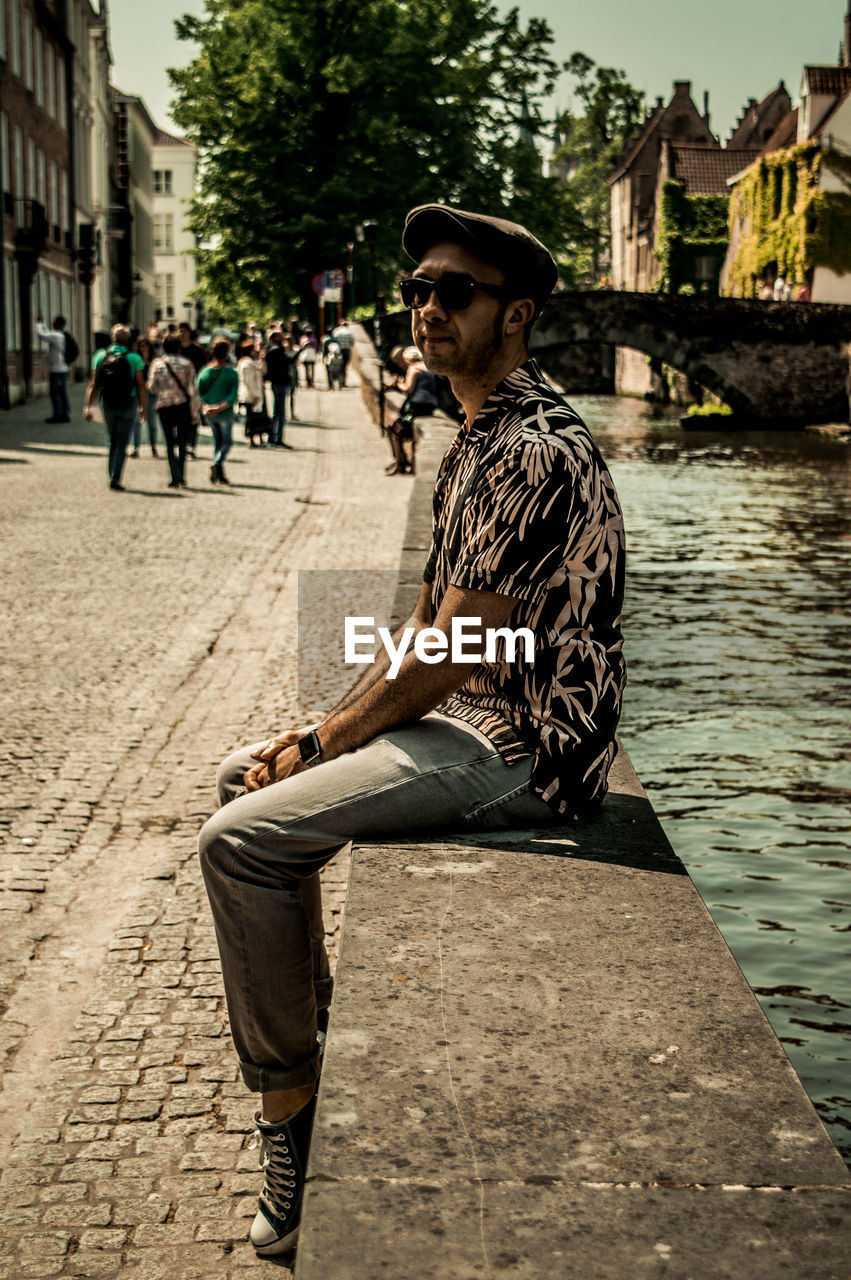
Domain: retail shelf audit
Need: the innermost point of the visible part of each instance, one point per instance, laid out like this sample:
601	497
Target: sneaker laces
276	1161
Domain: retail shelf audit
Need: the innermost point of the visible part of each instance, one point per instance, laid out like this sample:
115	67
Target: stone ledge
544	1061
541	1035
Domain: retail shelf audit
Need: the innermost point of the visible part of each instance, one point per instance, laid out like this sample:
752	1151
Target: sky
735	49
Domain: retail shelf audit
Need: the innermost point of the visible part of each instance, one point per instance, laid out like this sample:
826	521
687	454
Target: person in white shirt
252	396
55	338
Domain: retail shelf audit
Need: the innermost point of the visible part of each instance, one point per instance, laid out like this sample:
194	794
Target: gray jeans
261	854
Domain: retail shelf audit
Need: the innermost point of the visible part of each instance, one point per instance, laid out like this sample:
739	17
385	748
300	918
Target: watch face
309	748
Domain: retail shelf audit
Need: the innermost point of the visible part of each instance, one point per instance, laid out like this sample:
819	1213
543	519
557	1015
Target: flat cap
525	261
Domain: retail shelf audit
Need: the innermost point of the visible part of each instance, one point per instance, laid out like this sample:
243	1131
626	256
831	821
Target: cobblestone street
144	635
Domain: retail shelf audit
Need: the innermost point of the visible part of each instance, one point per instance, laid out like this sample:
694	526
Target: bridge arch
784	363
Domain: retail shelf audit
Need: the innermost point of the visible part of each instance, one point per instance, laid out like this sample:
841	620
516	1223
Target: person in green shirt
218	386
118	378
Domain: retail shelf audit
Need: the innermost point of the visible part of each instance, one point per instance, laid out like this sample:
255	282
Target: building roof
746	131
164	139
704	170
828	80
644	133
785	135
132	100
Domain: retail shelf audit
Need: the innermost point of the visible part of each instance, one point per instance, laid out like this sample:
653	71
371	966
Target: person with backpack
63	353
218	387
171	381
118	379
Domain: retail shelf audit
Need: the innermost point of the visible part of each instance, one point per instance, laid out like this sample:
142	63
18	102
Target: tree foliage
594	135
312	118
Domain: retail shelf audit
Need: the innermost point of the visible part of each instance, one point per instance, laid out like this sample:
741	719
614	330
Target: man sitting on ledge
527	534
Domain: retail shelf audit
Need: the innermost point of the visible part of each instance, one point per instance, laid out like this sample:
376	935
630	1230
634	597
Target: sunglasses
454	291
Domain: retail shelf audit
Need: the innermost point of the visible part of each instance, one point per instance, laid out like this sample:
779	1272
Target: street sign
335	279
317	284
333	295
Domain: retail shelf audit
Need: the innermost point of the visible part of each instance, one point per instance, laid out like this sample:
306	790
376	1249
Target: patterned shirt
525	506
171	379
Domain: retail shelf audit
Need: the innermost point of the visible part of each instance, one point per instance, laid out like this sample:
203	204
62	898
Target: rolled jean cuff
268	1080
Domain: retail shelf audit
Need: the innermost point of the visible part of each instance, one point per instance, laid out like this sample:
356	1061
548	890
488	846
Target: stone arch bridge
774	362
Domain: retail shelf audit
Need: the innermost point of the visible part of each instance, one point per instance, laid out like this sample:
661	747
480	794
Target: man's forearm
377	669
386	704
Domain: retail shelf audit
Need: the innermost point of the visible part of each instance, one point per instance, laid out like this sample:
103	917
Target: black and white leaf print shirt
525	506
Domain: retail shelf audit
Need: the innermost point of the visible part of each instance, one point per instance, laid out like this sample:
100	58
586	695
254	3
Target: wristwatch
309	749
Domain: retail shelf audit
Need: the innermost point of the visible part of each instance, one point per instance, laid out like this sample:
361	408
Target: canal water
738	709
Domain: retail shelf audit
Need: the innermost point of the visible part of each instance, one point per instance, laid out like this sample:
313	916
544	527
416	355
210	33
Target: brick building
36	163
634	182
676	144
55	164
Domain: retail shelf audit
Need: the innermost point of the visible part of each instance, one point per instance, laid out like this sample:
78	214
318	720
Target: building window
778	191
3	50
164	286
15	40
51	81
163	233
20	189
31	172
54	197
4	146
41	188
11	304
60	91
39	67
28	49
162	182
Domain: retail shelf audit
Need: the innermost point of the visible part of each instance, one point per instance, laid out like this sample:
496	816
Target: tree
592	140
310	119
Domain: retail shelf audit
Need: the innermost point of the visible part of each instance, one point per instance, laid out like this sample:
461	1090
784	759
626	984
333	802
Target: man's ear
518	314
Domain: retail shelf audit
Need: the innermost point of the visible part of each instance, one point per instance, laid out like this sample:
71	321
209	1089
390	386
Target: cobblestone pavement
145	634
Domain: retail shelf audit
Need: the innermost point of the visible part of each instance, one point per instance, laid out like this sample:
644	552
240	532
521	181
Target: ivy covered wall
781	220
692	240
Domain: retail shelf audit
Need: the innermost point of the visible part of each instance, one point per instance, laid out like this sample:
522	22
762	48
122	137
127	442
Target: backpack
71	349
115	380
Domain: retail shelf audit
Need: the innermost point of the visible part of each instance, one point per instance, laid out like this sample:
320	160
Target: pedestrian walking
221	330
63	353
345	339
118	380
279	364
332	358
218	386
308	350
527	532
292	351
172	384
191	349
148	350
252	397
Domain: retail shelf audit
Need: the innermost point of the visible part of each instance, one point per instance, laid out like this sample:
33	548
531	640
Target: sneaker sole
285	1244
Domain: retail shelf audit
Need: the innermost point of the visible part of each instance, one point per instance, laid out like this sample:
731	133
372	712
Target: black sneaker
283	1156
